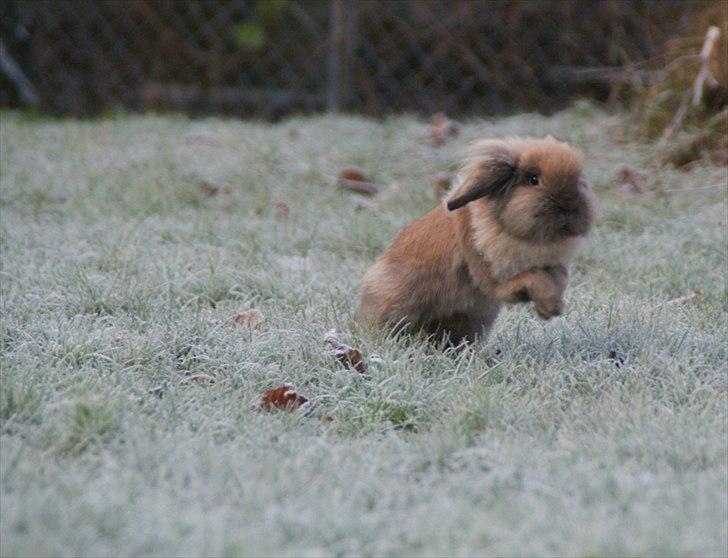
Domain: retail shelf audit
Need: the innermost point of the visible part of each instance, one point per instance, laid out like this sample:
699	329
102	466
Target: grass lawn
603	432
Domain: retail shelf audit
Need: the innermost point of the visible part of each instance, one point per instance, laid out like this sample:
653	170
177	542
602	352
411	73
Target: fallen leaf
441	128
286	398
362	188
441	181
248	318
353	173
282	210
696	294
346	355
349	356
354	180
211	190
632	182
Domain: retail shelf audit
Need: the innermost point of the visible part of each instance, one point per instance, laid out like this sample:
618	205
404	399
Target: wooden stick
697	90
27	91
711	38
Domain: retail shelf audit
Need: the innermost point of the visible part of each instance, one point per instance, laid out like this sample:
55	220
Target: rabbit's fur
507	233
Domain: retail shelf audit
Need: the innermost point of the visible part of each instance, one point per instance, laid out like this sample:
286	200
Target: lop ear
490	175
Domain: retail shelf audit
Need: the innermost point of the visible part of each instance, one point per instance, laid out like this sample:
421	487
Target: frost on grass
600	433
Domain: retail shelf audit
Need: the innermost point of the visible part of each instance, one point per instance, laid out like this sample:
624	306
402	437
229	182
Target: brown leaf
210	189
695	295
248	318
441	129
349	356
283	397
441	182
346	355
354	174
363	188
632	181
282	210
354	180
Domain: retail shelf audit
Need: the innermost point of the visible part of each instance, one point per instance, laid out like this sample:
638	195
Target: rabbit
506	233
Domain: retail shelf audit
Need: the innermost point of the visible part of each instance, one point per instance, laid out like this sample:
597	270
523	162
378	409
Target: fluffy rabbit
507	233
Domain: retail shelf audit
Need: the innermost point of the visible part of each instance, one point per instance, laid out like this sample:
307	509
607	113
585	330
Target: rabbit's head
532	188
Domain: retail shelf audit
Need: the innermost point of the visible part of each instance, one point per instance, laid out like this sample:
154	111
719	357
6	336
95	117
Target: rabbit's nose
570	208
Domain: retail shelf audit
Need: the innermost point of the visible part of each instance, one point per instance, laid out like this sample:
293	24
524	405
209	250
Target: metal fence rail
271	58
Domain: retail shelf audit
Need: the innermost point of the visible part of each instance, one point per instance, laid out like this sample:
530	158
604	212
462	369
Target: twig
697	90
27	92
710	39
677	120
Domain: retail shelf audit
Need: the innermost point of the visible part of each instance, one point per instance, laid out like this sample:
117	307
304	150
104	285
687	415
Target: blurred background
273	58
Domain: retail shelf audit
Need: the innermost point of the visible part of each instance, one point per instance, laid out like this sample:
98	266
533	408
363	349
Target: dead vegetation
684	106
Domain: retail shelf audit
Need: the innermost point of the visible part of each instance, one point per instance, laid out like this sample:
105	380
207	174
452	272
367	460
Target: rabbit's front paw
550	307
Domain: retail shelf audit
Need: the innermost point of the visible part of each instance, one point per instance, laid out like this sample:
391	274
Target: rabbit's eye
533	180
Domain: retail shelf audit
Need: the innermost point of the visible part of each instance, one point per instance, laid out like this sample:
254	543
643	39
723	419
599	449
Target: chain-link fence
270	58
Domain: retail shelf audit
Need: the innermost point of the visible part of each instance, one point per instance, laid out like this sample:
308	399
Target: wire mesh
271	58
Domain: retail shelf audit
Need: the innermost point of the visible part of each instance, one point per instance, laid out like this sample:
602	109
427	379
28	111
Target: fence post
336	21
342	25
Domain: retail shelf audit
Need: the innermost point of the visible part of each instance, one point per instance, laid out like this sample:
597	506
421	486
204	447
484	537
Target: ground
603	432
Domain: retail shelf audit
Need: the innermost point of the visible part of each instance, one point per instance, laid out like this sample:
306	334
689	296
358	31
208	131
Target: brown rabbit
507	233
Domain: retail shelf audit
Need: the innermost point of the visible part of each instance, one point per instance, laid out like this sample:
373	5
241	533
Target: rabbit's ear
489	176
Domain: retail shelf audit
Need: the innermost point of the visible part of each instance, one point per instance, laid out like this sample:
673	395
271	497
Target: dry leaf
210	189
249	318
441	129
632	181
441	182
696	294
282	210
363	188
286	398
353	173
349	356
354	180
346	355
